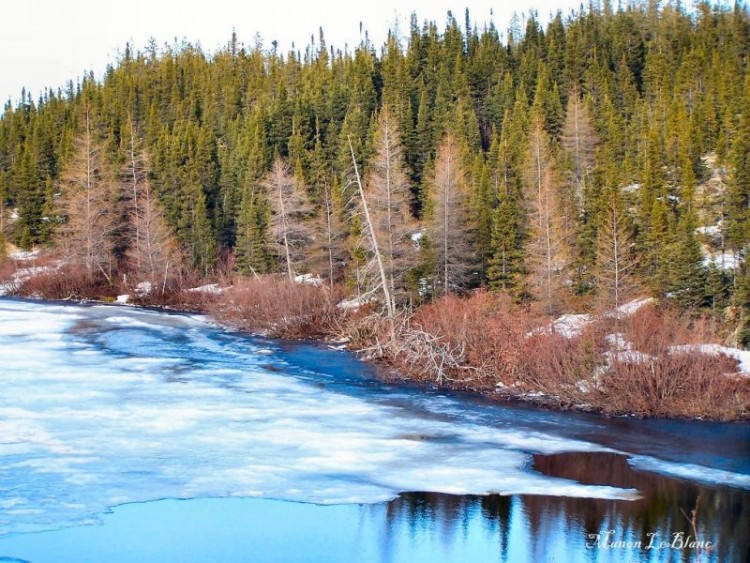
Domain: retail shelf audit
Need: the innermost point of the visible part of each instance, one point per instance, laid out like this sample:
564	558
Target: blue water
293	452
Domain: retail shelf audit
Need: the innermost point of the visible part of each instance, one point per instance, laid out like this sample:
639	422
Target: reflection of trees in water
723	514
551	522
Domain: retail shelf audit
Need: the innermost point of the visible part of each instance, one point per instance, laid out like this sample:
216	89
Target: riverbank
643	359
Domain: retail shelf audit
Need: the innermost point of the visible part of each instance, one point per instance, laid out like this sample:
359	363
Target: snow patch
632	307
742	356
309	279
723	260
24	255
709	230
144	288
122	299
618	342
355	302
632	188
571	326
212	288
568	326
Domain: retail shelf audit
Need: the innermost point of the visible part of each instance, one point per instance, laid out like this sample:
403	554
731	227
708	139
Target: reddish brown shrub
661	376
7	270
682	384
652	330
473	342
484	341
561	367
274	306
66	282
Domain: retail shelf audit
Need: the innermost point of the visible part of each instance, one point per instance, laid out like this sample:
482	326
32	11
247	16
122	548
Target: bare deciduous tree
289	227
579	140
450	228
153	250
330	248
389	194
88	206
614	253
546	252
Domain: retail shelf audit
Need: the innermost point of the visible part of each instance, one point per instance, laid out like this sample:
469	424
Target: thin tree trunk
445	235
285	228
329	234
135	198
378	257
89	241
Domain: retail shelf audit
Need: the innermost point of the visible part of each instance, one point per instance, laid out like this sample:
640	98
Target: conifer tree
737	212
506	254
195	226
251	251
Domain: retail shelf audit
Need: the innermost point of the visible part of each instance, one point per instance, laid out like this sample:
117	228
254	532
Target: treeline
560	164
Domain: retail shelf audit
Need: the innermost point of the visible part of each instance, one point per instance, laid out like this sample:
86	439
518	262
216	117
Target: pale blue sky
48	42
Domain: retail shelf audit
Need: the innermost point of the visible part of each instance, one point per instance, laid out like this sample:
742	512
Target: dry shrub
473	342
274	306
685	384
483	342
7	270
66	282
560	367
181	294
653	330
661	376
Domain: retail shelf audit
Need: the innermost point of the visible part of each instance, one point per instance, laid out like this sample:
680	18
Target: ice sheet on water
101	406
691	472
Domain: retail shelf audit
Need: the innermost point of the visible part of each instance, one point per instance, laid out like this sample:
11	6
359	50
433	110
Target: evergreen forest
601	155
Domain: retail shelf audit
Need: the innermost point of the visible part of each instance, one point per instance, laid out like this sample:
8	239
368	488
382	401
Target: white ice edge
691	472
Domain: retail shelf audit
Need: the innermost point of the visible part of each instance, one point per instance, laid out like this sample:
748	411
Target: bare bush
474	342
274	306
72	281
676	384
485	343
665	377
560	367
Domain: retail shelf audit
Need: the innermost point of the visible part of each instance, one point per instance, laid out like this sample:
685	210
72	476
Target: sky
48	42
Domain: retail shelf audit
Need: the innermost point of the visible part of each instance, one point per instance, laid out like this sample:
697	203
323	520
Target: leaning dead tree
371	242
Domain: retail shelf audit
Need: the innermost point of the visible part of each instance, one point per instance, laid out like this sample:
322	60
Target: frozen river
107	408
